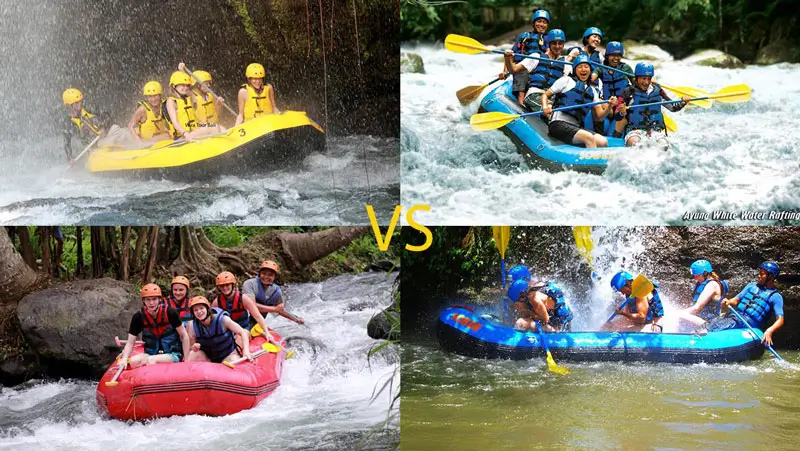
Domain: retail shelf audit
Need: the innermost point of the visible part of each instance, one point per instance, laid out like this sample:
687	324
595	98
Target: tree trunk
151	257
27	247
44	244
203	260
79	269
141	239
16	278
111	233
300	249
125	254
97	252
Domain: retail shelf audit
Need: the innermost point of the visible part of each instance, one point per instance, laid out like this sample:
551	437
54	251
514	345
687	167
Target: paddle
113	382
502	234
551	362
692	92
728	94
265	348
583	241
295	318
191	74
258	330
640	286
75	160
755	332
495	119
468	94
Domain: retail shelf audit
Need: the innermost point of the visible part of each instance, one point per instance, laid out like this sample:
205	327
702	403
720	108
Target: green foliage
230	236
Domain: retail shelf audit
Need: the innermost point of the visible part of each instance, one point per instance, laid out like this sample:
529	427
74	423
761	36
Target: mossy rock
411	63
638	51
778	52
714	58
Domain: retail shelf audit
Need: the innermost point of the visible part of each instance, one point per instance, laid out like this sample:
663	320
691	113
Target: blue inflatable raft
538	148
461	331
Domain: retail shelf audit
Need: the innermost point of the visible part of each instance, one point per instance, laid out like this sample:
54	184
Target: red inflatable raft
189	388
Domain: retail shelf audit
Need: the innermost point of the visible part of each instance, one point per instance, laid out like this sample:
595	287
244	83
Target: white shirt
564	84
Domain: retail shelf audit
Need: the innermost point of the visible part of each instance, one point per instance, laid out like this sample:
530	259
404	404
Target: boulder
777	52
411	63
637	51
380	325
714	58
72	326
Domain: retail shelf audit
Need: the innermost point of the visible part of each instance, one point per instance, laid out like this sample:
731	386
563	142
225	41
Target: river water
732	157
323	402
328	188
459	403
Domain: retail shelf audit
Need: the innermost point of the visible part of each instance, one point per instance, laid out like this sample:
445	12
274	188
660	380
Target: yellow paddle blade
733	94
554	367
112	383
270	347
672	127
290	354
692	92
256	331
502	234
641	286
227	363
462	44
583	241
469	94
490	121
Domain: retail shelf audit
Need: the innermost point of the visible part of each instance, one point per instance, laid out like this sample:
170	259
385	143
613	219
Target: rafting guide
745	215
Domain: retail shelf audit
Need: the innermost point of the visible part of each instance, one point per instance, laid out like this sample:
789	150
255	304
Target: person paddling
211	334
256	98
543	302
639	314
207	106
528	43
265	293
80	122
709	290
539	75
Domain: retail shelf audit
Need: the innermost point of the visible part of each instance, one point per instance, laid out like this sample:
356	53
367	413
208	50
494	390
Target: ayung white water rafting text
747	215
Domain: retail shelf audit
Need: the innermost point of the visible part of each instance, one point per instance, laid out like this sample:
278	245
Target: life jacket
257	104
86	123
154	124
261	295
711	309
613	83
649	117
206	111
560	316
546	73
235	307
755	305
185	111
655	309
581	94
158	334
181	307
215	340
529	42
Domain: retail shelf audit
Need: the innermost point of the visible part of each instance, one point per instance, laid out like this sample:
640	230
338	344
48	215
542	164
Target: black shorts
563	131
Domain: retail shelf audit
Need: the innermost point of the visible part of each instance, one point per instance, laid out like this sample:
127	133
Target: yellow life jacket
206	108
186	113
85	122
154	124
257	104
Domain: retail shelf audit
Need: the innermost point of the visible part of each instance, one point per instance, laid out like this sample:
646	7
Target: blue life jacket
261	295
528	42
711	309
581	94
235	307
655	309
647	118
613	83
560	316
755	305
158	334
546	73
216	341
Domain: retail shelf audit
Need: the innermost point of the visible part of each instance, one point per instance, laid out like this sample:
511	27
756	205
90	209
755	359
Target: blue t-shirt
775	299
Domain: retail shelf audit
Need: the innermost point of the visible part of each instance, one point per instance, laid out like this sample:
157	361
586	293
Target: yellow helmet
255	70
152	88
180	78
203	76
71	96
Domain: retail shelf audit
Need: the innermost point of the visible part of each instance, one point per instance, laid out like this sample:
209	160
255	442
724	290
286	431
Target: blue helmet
701	267
554	35
554	290
620	279
771	268
580	59
517	289
540	14
519	272
592	30
615	48
644	70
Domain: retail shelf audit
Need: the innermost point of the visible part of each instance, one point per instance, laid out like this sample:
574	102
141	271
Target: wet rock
383	266
778	52
714	58
72	326
380	325
411	63
637	51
